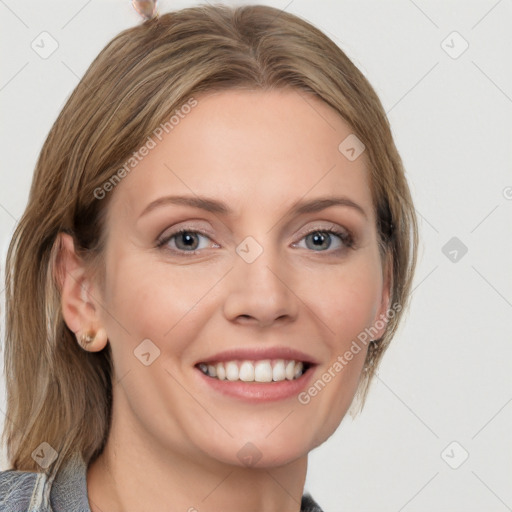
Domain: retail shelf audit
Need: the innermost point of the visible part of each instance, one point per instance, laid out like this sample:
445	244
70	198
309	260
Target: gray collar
69	489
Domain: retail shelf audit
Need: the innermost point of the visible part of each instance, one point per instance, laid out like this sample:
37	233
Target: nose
261	292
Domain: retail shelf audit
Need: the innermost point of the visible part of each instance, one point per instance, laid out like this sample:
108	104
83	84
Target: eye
319	240
188	241
183	241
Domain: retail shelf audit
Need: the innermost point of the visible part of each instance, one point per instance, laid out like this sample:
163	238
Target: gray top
28	491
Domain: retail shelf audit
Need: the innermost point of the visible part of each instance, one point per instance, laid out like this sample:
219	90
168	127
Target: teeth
298	370
221	371
232	371
254	371
246	372
262	371
278	372
290	370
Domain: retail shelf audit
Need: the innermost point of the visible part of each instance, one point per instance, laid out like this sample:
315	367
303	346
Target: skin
174	441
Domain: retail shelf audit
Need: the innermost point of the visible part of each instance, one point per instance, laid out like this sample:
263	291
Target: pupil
319	239
188	239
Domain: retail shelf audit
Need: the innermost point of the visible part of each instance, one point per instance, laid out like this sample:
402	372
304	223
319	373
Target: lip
258	392
256	354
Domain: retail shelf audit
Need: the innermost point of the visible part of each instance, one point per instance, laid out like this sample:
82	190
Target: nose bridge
260	261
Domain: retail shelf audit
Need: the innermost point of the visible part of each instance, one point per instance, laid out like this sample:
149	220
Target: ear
382	317
79	300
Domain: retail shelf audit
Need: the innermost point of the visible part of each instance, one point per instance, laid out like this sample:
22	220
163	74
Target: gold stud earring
86	338
99	337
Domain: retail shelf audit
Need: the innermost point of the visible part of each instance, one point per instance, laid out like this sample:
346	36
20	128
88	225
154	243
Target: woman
217	250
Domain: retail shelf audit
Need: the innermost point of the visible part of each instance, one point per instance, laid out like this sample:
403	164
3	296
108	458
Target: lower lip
259	391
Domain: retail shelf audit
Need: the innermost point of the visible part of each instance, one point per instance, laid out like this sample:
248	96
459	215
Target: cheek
155	302
347	300
347	303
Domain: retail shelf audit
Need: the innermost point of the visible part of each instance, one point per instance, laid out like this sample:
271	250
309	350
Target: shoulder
309	504
16	489
62	490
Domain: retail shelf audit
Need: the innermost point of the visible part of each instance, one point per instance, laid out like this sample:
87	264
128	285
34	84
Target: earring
372	350
86	338
100	339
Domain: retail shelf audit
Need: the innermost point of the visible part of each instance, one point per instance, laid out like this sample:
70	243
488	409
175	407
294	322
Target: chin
260	453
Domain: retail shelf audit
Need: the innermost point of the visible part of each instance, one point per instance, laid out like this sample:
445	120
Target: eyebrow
215	206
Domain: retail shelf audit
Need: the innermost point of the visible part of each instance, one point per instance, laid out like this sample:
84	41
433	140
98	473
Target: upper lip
257	354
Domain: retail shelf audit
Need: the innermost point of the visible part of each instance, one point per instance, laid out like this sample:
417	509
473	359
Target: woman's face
252	277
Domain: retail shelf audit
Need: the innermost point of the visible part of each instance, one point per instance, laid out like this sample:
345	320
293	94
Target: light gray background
447	375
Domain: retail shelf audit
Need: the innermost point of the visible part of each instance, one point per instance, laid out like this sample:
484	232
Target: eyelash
345	236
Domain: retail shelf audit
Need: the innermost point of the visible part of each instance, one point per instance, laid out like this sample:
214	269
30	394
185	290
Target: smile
265	370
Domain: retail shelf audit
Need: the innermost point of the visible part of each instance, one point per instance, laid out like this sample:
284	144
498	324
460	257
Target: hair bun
146	8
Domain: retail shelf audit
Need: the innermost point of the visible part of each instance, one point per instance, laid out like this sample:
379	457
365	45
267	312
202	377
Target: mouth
256	374
263	370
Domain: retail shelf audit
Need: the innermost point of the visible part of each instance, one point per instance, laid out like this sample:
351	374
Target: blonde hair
58	392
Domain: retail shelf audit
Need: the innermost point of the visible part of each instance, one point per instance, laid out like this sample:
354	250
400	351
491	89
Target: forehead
259	149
